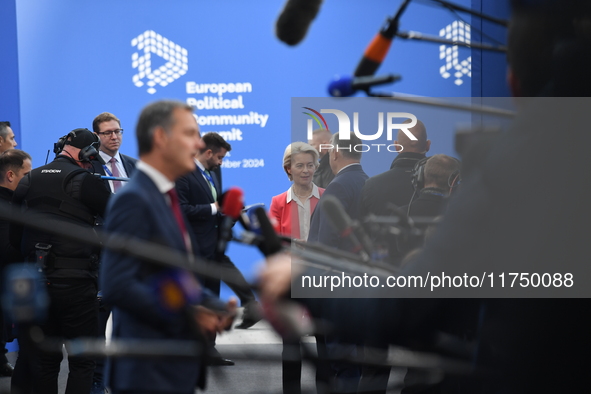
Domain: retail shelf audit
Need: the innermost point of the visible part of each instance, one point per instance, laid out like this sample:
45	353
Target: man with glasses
110	162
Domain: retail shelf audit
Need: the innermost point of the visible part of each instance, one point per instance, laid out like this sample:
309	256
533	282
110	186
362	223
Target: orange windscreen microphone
378	48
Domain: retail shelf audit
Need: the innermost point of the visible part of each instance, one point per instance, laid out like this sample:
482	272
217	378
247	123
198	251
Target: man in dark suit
346	187
394	186
14	165
110	162
148	208
199	195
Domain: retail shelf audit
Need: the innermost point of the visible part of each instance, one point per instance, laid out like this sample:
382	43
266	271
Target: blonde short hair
293	149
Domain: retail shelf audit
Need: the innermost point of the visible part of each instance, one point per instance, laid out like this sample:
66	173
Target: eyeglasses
108	133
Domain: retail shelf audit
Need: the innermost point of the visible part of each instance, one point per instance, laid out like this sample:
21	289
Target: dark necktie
115	171
176	210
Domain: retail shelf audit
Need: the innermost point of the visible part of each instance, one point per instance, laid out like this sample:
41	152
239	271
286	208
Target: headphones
86	154
91	151
418	176
58	147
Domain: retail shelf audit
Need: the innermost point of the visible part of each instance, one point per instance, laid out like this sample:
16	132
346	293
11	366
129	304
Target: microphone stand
415	35
483	109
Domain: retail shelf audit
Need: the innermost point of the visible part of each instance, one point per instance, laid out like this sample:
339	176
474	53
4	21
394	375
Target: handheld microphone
346	227
232	203
295	19
378	48
344	85
248	218
175	289
271	243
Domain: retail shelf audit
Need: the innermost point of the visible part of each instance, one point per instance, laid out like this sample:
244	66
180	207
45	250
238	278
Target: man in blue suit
148	209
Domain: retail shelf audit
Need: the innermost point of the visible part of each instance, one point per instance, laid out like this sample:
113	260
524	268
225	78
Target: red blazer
282	211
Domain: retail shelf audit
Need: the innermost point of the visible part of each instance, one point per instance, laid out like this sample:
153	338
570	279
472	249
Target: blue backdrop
69	61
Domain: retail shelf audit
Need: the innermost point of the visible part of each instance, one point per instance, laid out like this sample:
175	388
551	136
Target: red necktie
176	210
115	171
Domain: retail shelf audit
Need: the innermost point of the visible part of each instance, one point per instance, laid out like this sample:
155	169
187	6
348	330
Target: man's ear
160	136
208	154
335	154
10	175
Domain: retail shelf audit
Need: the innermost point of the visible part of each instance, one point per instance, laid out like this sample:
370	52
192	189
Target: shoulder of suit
129	158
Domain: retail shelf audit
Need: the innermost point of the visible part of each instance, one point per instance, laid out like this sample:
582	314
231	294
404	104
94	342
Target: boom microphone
232	204
344	85
295	19
378	48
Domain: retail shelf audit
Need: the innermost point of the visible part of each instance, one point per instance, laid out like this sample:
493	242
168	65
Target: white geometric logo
460	32
175	60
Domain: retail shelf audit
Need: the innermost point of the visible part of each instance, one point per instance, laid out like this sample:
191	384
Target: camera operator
64	192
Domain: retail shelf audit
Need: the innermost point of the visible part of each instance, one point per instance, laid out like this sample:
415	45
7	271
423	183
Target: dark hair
549	47
4	128
347	147
156	114
438	170
215	142
101	118
12	159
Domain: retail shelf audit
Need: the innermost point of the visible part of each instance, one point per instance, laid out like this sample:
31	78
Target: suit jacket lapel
203	184
169	224
128	165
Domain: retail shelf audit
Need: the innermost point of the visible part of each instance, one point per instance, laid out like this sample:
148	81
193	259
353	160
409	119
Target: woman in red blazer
292	209
291	212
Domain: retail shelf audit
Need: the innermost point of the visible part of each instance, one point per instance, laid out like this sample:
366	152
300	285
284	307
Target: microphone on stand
344	85
378	48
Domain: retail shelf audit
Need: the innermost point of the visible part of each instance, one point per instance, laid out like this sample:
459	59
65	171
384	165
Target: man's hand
211	322
275	278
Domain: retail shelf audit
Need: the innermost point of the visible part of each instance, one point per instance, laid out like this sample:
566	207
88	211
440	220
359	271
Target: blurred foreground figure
151	302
